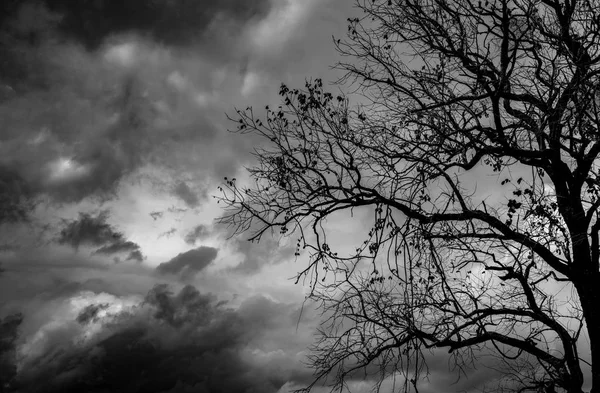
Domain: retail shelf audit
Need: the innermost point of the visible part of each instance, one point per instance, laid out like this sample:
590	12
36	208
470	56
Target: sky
113	139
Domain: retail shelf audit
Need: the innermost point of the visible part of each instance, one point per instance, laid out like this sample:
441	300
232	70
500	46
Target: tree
474	145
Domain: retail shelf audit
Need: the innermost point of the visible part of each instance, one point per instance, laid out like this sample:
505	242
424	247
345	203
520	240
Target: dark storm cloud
171	22
90	230
95	231
72	137
198	233
77	123
117	247
136	255
99	166
15	197
8	349
133	250
191	261
180	342
74	124
33	284
183	191
90	313
187	306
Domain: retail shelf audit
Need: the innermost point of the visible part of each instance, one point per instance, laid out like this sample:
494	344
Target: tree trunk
588	289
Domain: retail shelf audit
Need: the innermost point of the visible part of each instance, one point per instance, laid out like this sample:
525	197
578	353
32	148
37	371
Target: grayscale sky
113	118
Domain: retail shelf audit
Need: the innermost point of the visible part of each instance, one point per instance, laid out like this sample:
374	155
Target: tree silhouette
474	146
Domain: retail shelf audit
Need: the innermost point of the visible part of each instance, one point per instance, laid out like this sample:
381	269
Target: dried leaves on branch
471	140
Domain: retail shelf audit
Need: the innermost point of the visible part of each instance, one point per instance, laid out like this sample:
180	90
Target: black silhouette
474	149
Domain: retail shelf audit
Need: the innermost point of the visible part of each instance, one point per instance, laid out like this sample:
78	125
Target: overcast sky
113	120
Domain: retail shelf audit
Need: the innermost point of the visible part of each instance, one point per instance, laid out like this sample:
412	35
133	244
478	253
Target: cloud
94	230
133	250
136	255
118	247
8	349
95	97
191	261
92	94
168	233
156	215
90	230
80	338
77	123
186	307
15	197
72	138
183	191
198	233
258	255
169	22
170	342
90	313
